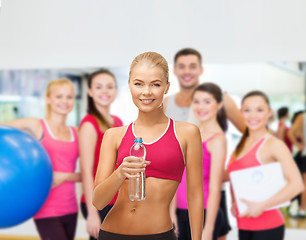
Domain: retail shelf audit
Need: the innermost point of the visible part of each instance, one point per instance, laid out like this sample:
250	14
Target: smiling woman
151	82
169	144
101	93
146	90
57	217
258	147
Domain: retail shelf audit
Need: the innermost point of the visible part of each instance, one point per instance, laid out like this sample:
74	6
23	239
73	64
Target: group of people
293	135
184	137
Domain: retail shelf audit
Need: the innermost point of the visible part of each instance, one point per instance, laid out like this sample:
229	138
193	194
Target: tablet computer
257	184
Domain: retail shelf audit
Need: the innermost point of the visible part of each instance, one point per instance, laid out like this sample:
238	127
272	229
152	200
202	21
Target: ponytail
241	143
222	119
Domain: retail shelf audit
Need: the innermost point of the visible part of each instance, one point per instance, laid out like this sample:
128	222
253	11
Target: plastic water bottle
137	190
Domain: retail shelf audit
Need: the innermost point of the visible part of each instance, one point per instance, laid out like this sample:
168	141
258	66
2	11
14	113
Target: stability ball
25	176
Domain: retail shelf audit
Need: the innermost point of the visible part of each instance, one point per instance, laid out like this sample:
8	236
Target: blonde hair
151	59
51	85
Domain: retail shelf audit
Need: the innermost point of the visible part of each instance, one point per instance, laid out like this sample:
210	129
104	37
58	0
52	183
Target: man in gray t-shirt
188	69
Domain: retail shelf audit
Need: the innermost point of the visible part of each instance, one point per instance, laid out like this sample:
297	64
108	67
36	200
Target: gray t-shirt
177	113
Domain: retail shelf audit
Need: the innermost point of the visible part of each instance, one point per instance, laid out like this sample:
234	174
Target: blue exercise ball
25	176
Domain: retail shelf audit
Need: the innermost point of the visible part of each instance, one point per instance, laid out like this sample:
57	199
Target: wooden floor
293	222
298	223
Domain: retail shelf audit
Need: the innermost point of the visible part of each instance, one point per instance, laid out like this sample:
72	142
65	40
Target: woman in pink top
57	218
101	93
255	148
207	104
170	146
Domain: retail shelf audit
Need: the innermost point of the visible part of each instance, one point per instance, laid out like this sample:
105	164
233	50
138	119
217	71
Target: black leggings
218	223
102	214
184	225
271	234
170	235
57	228
223	205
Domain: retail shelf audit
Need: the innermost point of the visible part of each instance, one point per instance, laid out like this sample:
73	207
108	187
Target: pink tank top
181	193
62	199
268	219
91	119
165	153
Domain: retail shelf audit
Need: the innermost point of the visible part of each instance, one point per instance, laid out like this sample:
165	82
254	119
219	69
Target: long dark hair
295	115
246	132
216	91
91	107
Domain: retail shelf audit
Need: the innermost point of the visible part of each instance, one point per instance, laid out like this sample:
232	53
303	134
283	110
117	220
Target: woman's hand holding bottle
131	166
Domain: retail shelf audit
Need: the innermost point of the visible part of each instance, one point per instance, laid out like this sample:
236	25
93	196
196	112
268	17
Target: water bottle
137	190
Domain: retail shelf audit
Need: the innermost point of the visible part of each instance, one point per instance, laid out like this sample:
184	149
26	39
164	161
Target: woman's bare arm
281	132
108	180
294	184
194	176
296	130
217	149
233	113
87	145
30	125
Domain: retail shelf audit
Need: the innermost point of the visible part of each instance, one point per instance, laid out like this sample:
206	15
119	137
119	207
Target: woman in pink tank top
170	146
255	148
207	105
101	93
58	216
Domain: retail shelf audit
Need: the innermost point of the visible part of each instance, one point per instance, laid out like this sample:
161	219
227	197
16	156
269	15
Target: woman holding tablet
255	148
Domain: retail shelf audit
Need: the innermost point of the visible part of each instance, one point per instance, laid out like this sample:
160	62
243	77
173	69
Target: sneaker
302	213
294	208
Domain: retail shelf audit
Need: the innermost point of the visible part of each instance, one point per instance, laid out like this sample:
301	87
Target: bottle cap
138	139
